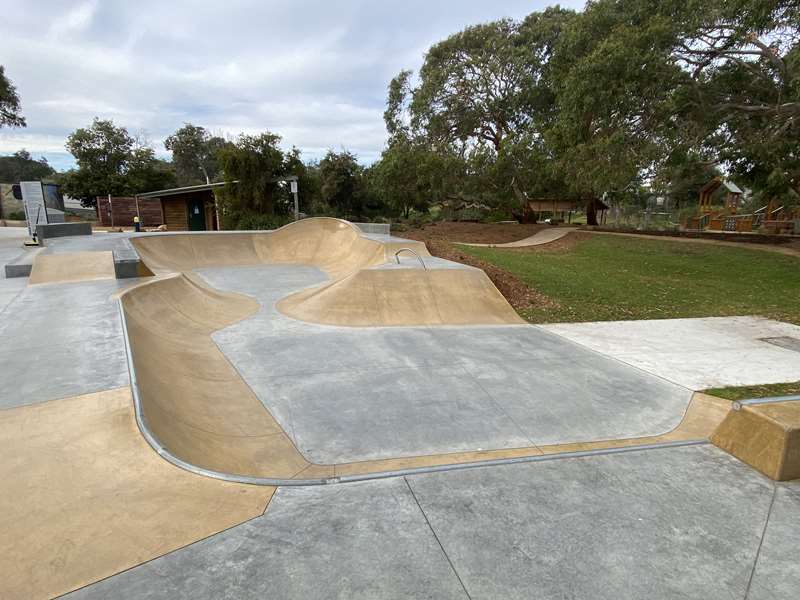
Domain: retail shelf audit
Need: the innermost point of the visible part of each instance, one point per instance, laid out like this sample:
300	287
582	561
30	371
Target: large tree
742	94
251	167
483	96
10	115
195	154
110	161
21	166
342	183
613	86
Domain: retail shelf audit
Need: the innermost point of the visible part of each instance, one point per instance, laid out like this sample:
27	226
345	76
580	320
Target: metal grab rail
419	258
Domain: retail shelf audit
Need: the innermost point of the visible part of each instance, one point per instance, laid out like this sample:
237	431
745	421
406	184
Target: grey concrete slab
357	541
678	523
674	523
44	231
359	393
582	398
777	573
50	372
126	259
13	252
98	242
344	417
696	353
61	340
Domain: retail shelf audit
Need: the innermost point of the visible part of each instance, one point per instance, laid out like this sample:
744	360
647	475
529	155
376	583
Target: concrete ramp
375	297
192	399
357	295
74	266
333	245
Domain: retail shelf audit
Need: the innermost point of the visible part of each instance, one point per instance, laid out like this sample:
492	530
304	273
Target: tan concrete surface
333	245
356	296
84	496
403	297
765	436
73	266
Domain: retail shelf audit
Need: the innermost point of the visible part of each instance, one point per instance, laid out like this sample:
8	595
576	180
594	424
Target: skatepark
318	411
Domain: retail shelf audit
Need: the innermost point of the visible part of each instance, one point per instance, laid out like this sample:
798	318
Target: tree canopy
10	110
195	154
21	166
110	161
596	102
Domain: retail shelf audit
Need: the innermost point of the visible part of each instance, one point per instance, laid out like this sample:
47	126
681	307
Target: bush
252	221
496	216
17	215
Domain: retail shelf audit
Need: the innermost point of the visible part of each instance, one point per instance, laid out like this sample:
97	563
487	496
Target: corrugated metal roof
732	187
182	190
199	188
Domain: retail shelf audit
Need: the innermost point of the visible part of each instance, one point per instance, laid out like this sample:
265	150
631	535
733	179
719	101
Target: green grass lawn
613	278
756	391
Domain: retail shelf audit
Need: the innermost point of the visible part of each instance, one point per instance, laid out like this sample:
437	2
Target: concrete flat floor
11	240
347	394
61	340
684	522
695	353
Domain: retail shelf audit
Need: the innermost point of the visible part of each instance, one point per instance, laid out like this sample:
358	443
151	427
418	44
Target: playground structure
771	218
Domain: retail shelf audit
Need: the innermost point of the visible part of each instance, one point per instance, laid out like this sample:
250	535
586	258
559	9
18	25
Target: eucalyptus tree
742	94
195	154
10	110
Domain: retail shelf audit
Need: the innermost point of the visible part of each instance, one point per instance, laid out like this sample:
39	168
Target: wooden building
561	208
191	208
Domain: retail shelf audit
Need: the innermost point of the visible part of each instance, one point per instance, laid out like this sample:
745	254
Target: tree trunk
591	212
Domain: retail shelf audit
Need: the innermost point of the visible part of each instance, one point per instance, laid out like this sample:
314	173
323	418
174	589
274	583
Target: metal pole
111	209
293	187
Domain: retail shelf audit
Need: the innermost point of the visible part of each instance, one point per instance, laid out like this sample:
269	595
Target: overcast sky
314	72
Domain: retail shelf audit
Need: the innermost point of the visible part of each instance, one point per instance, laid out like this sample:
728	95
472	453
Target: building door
197	216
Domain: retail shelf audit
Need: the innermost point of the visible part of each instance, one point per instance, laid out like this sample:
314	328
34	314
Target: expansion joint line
761	541
436	537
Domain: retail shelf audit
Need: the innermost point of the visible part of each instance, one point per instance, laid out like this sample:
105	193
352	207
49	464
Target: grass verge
755	391
604	278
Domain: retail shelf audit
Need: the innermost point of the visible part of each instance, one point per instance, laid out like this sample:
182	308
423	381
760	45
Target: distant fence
383	229
124	209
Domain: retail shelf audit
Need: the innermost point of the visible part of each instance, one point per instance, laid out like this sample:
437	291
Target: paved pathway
545	236
687	522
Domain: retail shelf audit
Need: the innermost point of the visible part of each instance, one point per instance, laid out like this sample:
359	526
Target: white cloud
312	71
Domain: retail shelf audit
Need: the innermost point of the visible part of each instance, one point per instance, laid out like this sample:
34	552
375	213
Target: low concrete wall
54	230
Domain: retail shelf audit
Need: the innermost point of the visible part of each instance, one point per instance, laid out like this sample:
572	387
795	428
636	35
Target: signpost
293	188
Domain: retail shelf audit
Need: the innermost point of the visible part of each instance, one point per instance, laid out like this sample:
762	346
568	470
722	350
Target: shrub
251	220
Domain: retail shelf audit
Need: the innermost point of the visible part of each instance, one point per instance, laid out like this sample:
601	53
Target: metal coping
769	400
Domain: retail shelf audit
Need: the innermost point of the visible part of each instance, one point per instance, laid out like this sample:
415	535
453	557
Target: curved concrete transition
196	409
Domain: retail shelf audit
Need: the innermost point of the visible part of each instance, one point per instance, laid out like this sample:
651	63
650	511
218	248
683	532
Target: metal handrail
419	258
